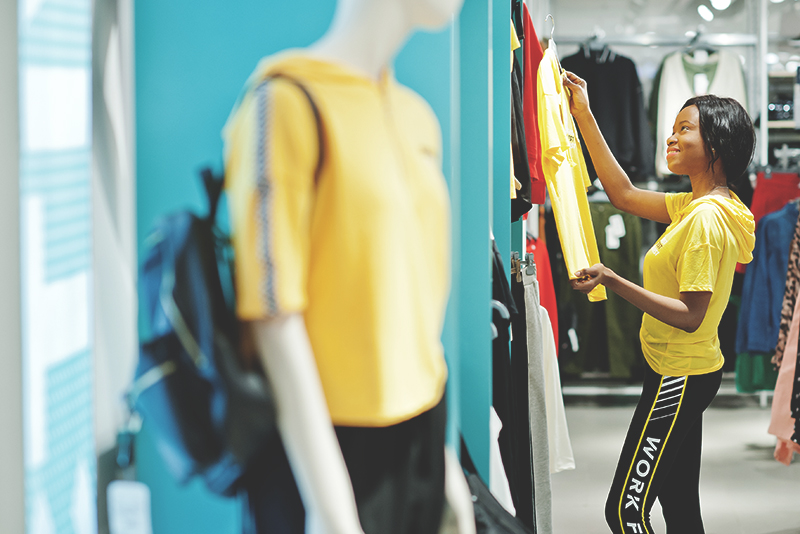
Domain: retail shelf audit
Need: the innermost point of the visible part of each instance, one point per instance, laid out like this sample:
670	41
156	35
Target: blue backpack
210	416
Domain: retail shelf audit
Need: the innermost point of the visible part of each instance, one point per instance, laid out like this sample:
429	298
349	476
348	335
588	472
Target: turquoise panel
425	65
501	126
191	64
475	194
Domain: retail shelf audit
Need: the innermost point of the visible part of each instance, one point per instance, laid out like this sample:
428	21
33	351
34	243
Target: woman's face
686	150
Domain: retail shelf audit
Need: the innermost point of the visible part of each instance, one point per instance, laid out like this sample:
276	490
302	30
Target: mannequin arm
305	424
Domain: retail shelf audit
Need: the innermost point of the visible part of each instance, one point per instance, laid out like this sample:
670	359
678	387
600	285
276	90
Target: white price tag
129	508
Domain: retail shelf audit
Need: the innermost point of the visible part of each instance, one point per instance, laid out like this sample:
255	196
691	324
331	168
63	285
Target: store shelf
784	125
782	75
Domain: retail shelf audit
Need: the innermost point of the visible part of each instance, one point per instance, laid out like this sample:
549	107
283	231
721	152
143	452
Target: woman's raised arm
621	192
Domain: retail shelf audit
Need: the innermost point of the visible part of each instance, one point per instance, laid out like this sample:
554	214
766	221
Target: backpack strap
214	184
317	120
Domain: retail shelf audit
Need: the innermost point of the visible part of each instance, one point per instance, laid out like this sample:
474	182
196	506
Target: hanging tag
573	339
701	83
129	508
615	230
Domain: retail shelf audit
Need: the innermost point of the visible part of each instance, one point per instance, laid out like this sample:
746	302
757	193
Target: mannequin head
430	14
367	34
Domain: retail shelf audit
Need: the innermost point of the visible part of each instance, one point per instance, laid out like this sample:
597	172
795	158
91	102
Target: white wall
12	489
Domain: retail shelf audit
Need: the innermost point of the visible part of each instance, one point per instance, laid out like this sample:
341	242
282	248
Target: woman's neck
717	186
365	35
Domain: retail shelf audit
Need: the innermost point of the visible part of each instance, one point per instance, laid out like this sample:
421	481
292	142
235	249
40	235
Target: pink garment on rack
781	422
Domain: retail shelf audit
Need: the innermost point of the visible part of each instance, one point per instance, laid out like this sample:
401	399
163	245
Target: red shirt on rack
532	56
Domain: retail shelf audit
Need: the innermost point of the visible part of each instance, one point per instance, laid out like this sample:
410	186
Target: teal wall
191	63
190	66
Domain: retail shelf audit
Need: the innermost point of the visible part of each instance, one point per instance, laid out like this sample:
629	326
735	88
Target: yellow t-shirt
697	252
364	254
565	172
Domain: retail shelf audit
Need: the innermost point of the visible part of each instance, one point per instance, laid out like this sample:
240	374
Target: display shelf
782	125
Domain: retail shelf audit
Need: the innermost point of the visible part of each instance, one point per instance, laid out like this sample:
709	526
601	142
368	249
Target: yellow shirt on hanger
565	172
364	254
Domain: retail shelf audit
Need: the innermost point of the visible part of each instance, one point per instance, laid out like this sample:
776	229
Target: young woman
687	281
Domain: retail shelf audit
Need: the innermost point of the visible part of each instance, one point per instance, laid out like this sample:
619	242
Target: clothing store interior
208	331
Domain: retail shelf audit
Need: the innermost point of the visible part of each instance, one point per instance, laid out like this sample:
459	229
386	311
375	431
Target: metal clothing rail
653	39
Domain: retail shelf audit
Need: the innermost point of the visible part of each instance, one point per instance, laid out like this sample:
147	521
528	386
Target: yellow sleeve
676	202
514	39
272	151
551	130
699	261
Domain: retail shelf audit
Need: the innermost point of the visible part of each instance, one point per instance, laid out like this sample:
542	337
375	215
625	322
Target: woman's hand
588	279
578	94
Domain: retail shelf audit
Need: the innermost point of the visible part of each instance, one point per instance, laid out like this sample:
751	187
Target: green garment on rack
755	372
608	332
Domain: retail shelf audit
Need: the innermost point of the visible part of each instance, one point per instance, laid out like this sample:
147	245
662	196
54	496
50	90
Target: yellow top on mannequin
363	254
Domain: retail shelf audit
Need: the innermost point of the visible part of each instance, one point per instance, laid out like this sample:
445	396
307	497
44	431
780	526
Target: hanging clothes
681	79
537	392
521	477
502	384
608	334
498	480
618	104
771	194
565	171
795	401
544	275
789	295
781	421
521	204
531	58
559	444
764	282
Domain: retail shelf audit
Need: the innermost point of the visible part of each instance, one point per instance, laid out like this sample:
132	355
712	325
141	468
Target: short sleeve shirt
362	251
697	252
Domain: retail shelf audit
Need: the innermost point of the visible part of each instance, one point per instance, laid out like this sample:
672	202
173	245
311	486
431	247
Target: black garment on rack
618	104
502	398
516	16
522	487
519	148
795	401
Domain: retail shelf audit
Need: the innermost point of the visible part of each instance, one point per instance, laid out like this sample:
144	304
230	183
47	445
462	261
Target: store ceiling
577	17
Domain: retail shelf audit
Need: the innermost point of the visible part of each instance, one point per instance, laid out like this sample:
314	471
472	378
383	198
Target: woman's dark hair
727	132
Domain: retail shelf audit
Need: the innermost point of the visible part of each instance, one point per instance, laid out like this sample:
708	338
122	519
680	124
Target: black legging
661	456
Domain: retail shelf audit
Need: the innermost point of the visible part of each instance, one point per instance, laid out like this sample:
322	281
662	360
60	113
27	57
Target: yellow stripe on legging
633	459
655	468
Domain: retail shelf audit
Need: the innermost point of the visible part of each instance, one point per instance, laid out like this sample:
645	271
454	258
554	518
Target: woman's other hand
587	279
578	95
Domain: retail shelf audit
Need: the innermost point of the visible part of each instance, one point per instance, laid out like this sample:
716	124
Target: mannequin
364	37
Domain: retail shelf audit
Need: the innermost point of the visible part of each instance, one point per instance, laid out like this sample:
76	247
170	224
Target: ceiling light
777	1
705	12
720	5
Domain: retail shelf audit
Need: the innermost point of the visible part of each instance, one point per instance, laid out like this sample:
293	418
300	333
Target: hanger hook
553	28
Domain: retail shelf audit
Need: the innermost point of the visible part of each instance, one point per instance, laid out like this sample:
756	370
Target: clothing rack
518	263
652	39
759	41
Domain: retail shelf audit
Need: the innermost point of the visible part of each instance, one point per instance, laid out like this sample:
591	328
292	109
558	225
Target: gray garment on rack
538	406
